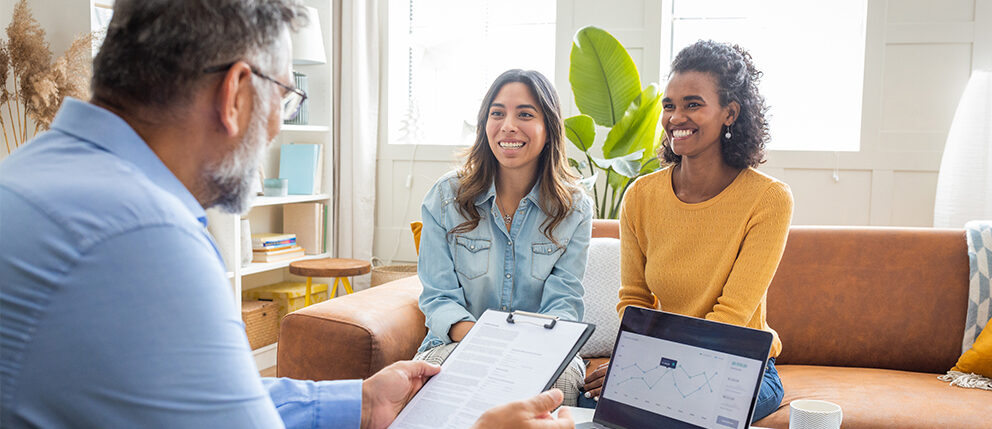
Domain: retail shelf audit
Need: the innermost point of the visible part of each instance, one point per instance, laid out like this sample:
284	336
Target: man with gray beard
115	310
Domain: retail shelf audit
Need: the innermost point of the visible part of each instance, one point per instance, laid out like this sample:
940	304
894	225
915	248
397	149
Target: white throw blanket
979	235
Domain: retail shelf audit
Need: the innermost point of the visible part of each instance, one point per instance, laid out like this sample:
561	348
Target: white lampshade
308	43
964	183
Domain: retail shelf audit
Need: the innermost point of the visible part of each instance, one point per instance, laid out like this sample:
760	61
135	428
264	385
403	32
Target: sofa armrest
353	336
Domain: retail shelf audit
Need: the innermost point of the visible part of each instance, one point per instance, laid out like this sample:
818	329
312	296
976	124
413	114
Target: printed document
497	362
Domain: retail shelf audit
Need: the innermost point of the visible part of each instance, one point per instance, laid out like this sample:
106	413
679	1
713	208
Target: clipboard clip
549	325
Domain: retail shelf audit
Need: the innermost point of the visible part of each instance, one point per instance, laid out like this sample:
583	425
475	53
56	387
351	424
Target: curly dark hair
737	80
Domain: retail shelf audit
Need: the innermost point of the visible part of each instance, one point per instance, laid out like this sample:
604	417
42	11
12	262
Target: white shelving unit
266	212
261	201
314	128
261	267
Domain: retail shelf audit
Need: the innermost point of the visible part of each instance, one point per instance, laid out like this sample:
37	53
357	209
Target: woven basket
387	273
261	320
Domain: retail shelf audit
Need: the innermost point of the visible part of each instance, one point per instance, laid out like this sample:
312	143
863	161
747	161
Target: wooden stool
338	268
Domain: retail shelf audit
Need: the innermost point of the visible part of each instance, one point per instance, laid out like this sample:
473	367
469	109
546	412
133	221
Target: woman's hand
459	330
594	381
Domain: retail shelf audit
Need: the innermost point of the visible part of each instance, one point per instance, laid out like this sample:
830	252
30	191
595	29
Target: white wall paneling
983	36
911	190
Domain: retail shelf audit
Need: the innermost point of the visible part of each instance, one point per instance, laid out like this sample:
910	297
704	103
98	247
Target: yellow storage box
290	296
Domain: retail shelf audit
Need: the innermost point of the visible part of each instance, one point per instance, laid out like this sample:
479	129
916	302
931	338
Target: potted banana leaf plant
607	90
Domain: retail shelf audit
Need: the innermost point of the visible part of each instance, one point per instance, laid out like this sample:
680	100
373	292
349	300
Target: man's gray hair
155	51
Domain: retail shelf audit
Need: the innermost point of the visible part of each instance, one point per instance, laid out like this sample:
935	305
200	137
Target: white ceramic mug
814	414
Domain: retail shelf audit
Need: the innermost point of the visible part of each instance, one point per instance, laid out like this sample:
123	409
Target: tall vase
246	254
964	183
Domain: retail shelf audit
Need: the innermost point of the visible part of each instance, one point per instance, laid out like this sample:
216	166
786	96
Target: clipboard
503	358
553	321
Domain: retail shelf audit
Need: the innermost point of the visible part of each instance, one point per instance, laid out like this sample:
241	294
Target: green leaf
627	169
604	78
616	180
581	131
639	129
653	164
606	164
589	182
573	163
626	166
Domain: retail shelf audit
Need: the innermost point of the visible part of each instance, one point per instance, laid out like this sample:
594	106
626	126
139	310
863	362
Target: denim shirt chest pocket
544	255
471	256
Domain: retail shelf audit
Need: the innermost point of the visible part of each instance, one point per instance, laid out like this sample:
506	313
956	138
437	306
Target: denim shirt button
509	243
504	308
507	275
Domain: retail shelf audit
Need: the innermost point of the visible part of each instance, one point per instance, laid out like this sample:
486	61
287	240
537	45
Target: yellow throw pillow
416	227
978	360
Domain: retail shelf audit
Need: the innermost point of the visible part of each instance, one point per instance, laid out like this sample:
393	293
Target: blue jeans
769	395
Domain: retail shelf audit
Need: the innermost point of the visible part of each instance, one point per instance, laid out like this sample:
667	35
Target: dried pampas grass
38	85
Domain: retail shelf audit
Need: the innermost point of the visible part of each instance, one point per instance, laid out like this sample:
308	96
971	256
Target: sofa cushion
352	336
874	398
978	359
891	298
601	284
415	228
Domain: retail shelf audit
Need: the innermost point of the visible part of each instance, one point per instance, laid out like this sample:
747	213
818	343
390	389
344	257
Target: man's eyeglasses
292	100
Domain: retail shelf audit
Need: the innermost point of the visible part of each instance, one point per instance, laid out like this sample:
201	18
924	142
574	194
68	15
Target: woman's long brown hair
558	190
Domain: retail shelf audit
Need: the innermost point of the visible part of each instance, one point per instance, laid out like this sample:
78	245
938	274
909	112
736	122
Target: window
812	56
444	54
100	13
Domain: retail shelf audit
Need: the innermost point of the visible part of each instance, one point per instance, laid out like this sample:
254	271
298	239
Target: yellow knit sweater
713	259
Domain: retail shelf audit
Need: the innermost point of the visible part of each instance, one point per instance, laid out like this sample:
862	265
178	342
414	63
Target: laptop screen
669	370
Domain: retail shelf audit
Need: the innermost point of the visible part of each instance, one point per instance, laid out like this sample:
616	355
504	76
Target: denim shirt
467	273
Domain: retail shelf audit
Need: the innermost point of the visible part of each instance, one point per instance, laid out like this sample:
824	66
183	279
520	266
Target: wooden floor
268	372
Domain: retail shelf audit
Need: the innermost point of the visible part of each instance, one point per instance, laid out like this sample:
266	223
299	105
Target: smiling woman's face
515	128
692	117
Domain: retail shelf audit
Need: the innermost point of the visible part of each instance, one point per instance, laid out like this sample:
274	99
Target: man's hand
594	381
533	413
386	392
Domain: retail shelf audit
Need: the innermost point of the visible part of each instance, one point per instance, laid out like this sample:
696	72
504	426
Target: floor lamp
964	183
308	49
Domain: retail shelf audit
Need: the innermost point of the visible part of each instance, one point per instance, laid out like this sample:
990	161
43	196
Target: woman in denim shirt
510	229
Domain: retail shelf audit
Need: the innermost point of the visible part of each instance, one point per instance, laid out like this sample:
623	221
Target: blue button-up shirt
465	274
114	304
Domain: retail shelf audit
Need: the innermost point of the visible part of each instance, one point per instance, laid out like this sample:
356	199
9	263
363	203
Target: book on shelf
268	240
306	220
291	249
277	254
318	175
301	164
287	244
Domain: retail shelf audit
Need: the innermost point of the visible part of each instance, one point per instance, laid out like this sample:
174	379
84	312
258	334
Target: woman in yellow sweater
704	236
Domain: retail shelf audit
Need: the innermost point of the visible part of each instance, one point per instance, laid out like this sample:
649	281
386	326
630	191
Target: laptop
674	371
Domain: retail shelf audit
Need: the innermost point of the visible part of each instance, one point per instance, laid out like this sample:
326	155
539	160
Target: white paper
497	362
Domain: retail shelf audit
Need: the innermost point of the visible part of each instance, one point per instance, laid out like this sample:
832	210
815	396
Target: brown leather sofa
868	317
